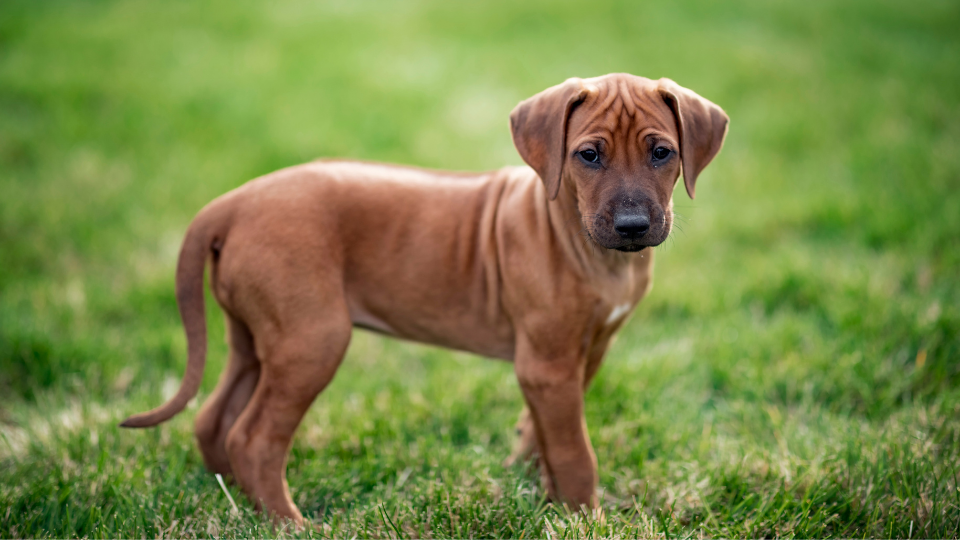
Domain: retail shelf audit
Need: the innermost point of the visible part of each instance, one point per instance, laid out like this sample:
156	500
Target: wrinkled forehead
616	109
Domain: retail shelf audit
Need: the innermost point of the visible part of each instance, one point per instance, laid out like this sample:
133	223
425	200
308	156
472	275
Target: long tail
204	236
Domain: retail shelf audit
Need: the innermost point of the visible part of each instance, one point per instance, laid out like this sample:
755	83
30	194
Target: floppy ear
539	128
702	126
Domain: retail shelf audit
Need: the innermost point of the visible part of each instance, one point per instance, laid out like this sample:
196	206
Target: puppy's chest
618	313
611	315
619	294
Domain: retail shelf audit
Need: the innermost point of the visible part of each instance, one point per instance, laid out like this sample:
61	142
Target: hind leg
228	400
298	365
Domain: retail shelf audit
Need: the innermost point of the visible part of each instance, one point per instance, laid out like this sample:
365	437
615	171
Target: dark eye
590	155
661	153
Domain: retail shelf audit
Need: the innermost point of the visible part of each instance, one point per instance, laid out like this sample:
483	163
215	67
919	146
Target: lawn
794	372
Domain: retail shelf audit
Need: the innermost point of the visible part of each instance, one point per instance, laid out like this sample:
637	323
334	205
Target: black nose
631	225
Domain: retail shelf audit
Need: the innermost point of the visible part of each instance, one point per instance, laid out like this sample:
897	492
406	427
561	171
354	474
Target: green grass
795	371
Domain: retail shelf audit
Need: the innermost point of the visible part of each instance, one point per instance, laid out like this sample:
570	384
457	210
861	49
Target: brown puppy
536	266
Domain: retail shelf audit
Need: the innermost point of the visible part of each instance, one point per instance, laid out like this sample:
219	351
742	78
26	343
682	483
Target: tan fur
522	264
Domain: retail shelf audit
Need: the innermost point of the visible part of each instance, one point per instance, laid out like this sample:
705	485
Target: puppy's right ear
539	129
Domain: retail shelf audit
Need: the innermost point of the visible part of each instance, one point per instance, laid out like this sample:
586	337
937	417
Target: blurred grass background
795	371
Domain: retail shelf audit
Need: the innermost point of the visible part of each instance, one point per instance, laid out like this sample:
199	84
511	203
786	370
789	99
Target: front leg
552	384
525	447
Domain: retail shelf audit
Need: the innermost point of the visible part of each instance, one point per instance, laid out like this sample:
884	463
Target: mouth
604	236
631	248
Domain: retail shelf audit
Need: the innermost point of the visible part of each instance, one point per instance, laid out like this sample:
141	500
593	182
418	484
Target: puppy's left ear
539	128
702	126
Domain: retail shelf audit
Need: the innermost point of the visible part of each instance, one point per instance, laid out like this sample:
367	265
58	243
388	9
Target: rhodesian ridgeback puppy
537	265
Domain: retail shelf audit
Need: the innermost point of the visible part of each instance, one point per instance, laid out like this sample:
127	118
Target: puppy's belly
455	329
364	319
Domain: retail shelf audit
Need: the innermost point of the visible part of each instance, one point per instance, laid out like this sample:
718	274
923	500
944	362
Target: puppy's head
619	144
